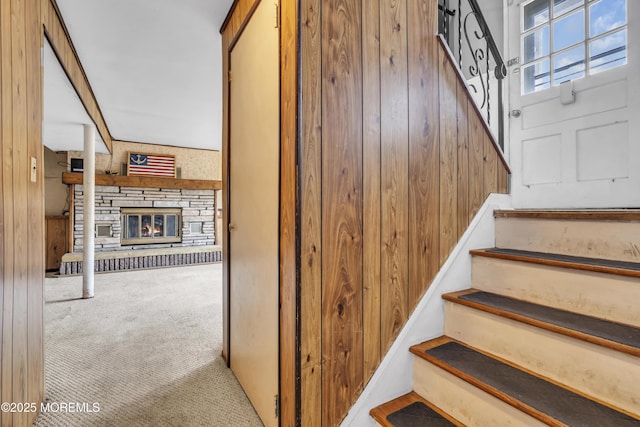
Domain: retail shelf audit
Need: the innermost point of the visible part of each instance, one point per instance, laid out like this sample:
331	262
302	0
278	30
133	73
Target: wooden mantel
145	181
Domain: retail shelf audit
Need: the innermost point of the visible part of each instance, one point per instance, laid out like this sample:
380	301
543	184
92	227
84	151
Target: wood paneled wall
21	208
395	161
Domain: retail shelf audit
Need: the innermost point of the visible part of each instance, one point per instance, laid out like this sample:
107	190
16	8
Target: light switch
567	94
34	170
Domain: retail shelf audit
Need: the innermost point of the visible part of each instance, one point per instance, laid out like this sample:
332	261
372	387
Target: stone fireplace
128	218
141	227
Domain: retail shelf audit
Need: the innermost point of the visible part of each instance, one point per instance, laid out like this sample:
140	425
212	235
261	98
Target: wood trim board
144	181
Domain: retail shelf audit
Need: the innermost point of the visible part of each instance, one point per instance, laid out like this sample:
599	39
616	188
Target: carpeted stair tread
411	410
543	400
624	268
598	331
417	414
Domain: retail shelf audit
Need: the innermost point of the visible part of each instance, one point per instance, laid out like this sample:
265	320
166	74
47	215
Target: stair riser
607	296
595	239
605	374
463	401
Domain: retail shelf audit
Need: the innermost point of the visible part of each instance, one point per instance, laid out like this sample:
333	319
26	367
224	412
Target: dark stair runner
552	400
565	259
615	332
417	415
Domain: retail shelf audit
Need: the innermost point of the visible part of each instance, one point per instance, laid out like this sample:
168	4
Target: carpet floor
144	352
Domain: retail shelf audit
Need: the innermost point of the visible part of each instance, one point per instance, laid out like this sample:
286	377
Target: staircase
548	335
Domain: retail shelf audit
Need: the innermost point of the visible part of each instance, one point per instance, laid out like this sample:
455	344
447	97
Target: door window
564	40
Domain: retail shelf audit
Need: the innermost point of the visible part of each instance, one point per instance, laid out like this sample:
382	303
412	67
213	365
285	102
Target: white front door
254	171
574	144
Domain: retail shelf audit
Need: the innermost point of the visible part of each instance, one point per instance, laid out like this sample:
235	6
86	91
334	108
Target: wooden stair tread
587	214
411	410
533	395
623	268
613	335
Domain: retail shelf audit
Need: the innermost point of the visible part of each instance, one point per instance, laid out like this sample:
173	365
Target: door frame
289	363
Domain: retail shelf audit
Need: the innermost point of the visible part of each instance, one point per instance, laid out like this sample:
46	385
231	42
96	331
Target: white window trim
553	89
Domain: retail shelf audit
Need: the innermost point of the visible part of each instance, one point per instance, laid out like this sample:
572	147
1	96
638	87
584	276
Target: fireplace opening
151	225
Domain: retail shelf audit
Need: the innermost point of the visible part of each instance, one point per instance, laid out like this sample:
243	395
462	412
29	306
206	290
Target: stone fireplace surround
197	228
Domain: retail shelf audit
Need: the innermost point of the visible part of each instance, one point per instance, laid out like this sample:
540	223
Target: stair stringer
394	375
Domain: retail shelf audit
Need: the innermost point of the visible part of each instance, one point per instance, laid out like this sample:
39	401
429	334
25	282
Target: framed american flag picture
144	164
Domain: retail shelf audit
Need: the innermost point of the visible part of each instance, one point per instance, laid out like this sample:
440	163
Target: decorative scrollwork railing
468	35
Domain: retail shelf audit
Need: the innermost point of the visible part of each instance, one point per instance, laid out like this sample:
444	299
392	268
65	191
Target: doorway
570	105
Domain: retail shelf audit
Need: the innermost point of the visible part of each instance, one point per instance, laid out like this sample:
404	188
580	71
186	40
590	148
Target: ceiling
154	66
64	114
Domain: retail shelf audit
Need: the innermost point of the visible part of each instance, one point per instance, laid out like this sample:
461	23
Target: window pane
535	13
606	15
608	52
535	77
564	6
568	31
158	225
536	44
568	65
171	225
133	226
146	226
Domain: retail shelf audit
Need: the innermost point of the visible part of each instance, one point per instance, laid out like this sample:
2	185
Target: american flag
152	165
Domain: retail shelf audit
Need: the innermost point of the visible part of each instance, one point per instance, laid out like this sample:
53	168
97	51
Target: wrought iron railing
465	29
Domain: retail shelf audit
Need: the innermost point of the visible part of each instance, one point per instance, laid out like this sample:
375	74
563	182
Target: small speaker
178	173
77	165
123	169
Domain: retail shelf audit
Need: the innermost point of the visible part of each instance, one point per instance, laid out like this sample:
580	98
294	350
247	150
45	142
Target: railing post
500	115
460	33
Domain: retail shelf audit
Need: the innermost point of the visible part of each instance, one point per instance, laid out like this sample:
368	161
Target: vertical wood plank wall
310	217
289	361
341	184
395	162
21	208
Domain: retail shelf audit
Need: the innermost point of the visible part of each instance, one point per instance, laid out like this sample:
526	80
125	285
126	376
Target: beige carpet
145	352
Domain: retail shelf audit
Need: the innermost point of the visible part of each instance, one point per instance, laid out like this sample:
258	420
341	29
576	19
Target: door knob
232	227
516	113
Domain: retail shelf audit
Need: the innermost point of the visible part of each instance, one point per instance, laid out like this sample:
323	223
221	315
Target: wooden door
572	105
56	239
253	211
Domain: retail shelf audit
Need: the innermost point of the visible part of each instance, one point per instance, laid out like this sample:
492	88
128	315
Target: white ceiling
64	114
154	66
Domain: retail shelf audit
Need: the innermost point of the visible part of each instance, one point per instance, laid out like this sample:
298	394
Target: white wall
56	193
